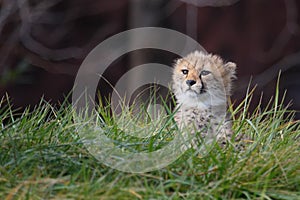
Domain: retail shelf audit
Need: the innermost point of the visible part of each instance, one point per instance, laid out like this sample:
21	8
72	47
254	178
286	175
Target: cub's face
202	78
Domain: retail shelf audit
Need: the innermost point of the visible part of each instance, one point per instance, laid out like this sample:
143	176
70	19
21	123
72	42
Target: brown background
42	43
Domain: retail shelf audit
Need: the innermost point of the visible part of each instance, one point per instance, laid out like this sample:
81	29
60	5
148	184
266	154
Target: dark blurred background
43	42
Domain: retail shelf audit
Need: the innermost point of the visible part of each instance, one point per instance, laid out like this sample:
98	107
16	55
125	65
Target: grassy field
42	157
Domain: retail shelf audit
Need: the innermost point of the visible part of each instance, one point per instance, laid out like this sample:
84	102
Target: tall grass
43	157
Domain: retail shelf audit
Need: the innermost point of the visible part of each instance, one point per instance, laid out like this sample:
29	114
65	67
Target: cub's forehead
194	62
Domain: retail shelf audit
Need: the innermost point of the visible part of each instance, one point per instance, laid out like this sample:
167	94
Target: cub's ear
230	67
179	60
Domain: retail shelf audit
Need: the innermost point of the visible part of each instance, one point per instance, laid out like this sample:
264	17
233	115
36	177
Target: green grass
42	157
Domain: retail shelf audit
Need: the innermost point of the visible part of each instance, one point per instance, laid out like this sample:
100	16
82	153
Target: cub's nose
190	82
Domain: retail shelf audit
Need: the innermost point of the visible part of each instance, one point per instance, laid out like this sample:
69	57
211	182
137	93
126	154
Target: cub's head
201	78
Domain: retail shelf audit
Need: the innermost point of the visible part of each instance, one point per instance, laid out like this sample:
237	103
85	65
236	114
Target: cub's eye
185	71
204	73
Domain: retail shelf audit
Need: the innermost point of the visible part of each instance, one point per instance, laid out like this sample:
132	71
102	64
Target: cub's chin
191	93
191	98
194	94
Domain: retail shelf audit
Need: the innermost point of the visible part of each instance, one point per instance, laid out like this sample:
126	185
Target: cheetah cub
201	84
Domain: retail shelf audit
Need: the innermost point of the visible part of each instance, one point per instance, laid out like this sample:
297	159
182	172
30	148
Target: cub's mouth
197	92
202	90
